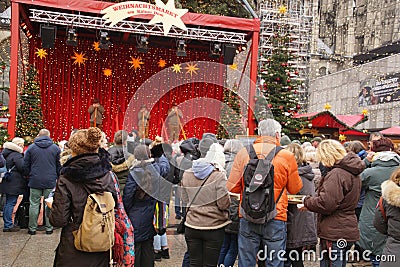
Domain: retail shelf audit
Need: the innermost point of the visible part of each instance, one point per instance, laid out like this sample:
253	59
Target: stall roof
327	119
395	130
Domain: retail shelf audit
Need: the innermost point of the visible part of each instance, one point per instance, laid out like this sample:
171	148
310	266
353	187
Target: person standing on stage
96	112
143	122
174	122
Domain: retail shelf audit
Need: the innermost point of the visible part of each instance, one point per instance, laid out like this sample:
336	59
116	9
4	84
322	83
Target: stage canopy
71	76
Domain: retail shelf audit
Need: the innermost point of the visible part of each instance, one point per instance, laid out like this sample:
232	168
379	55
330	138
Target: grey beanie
285	140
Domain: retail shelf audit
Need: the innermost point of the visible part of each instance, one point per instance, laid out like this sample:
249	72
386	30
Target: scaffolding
297	21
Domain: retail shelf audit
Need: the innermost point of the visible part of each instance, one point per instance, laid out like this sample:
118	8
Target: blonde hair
298	152
329	152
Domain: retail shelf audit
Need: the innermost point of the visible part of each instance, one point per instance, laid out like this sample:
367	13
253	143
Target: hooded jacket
301	228
336	200
382	166
42	162
80	175
212	203
286	176
391	226
16	184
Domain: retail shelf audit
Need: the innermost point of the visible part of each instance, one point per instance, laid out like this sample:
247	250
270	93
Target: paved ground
20	249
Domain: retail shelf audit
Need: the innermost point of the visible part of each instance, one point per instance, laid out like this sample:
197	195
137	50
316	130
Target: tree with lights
279	91
230	117
29	113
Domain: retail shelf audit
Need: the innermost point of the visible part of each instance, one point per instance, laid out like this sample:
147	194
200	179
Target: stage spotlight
104	40
72	37
215	50
181	48
143	44
229	53
48	35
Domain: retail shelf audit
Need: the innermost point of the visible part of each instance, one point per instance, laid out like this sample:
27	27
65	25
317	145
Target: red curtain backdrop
67	89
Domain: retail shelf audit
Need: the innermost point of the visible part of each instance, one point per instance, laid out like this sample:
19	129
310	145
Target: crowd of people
347	197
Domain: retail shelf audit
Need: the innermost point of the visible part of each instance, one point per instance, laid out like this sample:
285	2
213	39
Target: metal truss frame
299	23
135	27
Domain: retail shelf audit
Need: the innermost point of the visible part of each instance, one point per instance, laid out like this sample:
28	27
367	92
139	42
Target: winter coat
119	165
16	184
301	228
390	226
233	227
211	204
42	162
140	194
286	176
98	114
336	200
382	166
317	173
79	175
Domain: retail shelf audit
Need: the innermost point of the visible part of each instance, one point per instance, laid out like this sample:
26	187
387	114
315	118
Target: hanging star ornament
162	63
234	66
79	58
327	106
342	137
41	53
282	10
364	112
173	18
96	46
191	69
136	63
176	68
107	72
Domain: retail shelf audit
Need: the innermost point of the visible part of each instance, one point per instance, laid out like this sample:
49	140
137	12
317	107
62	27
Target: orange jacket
285	175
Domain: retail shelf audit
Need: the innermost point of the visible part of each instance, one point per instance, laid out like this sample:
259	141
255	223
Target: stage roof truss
135	27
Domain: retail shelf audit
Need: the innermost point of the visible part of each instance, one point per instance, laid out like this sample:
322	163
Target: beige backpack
96	233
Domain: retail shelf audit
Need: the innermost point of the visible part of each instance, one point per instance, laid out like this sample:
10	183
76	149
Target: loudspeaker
229	54
48	35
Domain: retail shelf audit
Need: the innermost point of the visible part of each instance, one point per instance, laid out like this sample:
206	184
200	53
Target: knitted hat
317	139
285	140
383	144
85	141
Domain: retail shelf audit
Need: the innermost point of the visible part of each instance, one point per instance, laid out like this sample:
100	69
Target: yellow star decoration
191	68
234	66
176	68
135	63
162	63
282	10
364	112
79	58
342	137
107	72
327	106
96	46
41	53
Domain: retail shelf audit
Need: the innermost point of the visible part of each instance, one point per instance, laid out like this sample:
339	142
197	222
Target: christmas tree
279	90
29	113
230	117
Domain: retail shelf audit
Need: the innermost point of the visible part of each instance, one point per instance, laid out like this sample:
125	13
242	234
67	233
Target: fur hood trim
13	147
391	193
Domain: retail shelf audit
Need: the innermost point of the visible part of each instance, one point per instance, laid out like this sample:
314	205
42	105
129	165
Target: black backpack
258	205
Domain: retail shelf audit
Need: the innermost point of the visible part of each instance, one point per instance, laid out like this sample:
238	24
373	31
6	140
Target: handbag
7	174
180	229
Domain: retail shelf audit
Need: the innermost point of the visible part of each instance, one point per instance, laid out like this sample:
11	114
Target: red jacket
285	173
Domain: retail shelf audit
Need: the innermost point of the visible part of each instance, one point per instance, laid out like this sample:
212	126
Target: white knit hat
215	155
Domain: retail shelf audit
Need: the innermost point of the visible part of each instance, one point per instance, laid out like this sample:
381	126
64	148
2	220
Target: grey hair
269	127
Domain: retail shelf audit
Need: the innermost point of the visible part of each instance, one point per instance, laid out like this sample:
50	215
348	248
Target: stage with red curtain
68	88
